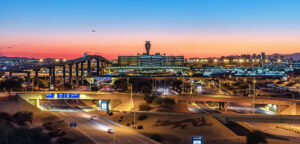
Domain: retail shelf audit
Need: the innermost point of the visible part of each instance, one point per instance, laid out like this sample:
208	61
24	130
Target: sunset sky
193	28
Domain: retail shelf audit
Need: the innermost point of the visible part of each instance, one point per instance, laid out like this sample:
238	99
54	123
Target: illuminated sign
50	95
198	140
67	95
100	78
104	105
75	95
60	95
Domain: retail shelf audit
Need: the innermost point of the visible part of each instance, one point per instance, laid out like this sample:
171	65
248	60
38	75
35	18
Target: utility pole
254	81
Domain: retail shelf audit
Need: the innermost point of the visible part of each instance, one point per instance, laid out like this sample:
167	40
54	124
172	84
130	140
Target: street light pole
253	105
132	106
113	138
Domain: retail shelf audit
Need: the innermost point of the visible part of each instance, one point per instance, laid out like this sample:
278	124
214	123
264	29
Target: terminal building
146	59
149	64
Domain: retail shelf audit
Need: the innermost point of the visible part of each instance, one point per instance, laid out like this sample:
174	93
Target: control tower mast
147	46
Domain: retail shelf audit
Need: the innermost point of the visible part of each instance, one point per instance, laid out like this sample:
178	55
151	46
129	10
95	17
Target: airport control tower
147	46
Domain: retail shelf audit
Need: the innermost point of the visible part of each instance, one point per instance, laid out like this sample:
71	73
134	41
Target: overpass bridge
290	113
284	106
233	99
116	98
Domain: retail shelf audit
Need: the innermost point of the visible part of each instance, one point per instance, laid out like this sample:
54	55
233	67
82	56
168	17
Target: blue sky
23	20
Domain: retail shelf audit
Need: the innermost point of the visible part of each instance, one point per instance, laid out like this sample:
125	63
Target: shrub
63	140
142	117
157	101
256	137
148	98
12	135
140	127
163	101
47	124
5	116
22	117
144	107
156	137
168	101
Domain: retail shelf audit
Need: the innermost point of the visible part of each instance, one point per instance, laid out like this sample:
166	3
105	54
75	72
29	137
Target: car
93	118
110	131
49	107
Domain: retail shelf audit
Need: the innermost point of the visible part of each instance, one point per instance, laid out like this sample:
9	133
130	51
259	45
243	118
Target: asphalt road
96	130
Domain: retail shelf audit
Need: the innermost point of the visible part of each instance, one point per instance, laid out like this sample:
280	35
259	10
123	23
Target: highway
96	130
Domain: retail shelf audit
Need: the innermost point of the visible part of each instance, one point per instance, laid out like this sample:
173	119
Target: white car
94	117
110	131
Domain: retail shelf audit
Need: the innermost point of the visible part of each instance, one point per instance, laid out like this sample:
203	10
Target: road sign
75	95
49	95
90	80
60	95
67	95
197	140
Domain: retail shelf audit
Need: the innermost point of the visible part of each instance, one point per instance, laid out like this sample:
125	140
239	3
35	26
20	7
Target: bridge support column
225	106
70	74
36	78
10	75
221	105
37	103
28	79
77	77
89	67
98	67
81	73
53	77
64	76
281	108
50	75
114	103
102	68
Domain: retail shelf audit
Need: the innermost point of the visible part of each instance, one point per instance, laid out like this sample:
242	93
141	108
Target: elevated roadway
290	119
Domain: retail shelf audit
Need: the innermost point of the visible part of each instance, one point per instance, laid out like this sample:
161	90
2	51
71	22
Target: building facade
146	59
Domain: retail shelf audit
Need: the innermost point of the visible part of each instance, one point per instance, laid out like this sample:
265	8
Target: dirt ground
12	105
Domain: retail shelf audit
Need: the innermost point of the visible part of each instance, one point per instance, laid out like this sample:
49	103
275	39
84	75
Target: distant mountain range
295	56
